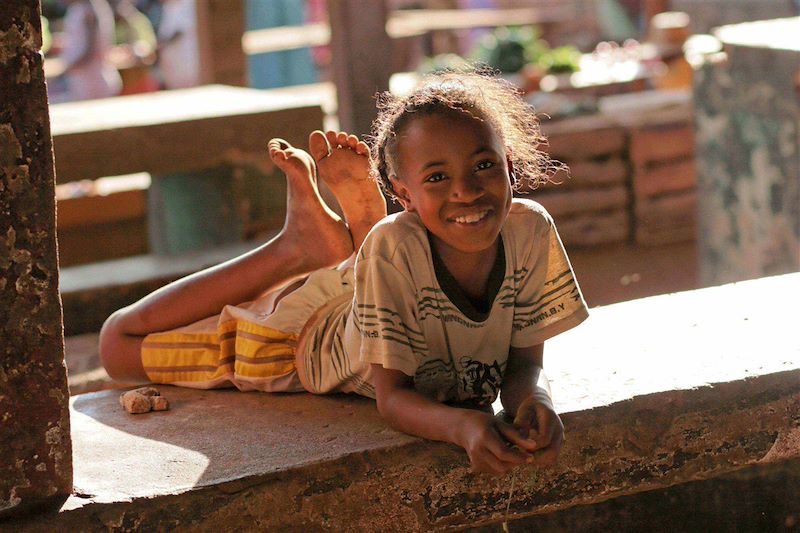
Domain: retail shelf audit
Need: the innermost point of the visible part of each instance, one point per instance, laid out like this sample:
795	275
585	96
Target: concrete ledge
656	392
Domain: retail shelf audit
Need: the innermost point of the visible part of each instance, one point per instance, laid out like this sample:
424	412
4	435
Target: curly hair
480	94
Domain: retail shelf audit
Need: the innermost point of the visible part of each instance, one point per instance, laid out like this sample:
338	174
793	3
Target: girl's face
453	171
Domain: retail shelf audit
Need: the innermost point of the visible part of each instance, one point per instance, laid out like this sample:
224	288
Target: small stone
147	391
135	403
159	403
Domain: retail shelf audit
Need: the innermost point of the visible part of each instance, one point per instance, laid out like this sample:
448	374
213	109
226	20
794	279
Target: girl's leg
313	237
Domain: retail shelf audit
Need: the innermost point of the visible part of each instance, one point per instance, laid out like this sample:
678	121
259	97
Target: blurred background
677	118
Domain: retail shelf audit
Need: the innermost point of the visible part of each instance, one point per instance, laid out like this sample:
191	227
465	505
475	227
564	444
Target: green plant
559	60
508	49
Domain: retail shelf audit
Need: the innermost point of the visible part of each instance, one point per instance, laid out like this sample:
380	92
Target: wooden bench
217	133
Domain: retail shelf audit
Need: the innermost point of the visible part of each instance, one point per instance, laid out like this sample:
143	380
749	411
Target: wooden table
204	134
176	131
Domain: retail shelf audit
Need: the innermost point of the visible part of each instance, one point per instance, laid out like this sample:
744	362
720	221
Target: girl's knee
120	352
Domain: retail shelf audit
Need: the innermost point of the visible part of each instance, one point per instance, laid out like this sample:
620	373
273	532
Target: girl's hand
537	420
488	443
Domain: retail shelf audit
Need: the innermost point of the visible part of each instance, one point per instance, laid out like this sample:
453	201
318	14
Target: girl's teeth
471	219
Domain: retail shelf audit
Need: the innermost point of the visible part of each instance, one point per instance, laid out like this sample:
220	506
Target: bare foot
343	164
310	224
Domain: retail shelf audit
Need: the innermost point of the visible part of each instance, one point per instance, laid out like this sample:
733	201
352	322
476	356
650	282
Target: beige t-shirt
408	314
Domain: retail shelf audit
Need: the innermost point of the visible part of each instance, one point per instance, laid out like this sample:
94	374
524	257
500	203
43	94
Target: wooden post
36	461
361	51
220	26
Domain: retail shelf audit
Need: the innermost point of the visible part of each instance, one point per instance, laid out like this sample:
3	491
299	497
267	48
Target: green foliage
508	49
560	60
47	37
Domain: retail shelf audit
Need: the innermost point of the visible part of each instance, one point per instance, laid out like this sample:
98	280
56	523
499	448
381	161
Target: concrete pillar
748	153
220	26
36	459
361	53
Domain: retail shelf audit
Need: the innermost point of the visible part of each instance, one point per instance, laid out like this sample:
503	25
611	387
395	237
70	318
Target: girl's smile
452	170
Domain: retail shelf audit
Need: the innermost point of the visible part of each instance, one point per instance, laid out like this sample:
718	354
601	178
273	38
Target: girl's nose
466	189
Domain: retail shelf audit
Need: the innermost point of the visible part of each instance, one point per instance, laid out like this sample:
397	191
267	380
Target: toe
362	148
341	138
332	138
318	145
279	144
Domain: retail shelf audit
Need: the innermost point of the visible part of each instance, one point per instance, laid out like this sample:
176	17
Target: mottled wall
36	459
708	14
748	114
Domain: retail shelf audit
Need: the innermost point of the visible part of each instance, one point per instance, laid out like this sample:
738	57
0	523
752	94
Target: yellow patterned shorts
251	346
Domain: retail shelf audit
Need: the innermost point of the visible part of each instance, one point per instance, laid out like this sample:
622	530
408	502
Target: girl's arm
525	395
484	437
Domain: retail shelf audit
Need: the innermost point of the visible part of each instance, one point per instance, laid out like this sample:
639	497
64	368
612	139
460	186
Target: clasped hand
495	447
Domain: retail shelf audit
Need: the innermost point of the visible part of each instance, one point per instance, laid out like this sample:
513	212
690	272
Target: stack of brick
591	206
664	177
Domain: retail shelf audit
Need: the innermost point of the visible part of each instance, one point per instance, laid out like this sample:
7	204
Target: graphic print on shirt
481	381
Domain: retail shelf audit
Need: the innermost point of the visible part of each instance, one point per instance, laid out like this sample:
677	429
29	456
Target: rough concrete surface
655	393
35	466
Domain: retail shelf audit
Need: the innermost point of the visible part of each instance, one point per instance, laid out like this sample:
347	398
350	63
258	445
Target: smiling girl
442	307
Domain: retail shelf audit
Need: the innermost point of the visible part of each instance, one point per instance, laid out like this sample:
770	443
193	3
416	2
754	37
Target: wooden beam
400	24
220	24
361	49
410	22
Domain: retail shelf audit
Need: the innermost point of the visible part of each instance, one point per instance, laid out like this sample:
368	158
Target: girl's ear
401	193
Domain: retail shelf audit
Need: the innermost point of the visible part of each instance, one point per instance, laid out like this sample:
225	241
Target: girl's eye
483	165
434	178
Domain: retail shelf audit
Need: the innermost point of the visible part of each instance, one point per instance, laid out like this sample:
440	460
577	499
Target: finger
526	418
548	457
512	435
505	451
489	464
550	427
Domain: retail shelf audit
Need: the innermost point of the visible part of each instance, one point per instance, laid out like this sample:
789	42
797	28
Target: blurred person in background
135	50
88	37
178	49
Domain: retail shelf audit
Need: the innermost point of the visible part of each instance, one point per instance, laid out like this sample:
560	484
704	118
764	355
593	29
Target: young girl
449	303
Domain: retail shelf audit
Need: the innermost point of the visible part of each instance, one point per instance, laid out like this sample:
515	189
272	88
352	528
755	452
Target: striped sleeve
548	300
